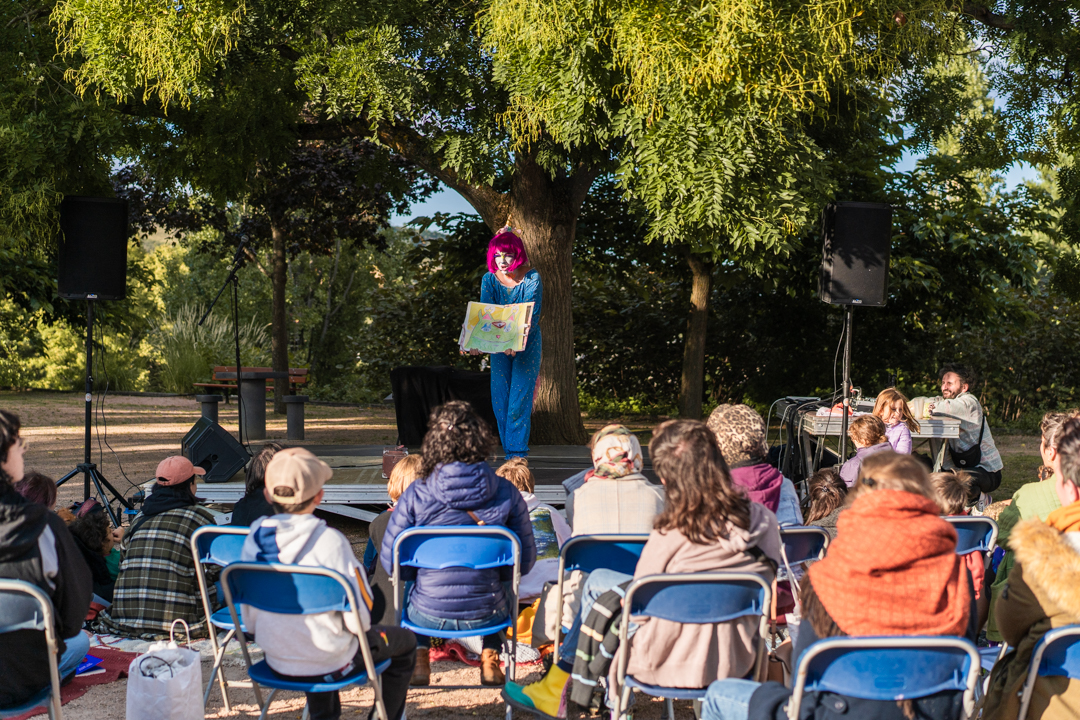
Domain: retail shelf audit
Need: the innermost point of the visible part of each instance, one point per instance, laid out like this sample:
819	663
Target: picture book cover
495	328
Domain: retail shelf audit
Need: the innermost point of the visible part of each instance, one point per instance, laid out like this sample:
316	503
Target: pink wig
506	242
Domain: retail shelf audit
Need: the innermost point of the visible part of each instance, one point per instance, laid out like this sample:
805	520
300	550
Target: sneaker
981	504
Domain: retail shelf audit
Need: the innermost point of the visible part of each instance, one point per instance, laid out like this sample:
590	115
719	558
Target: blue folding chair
472	546
1057	653
974	533
297	590
802	543
25	607
619	552
887	668
691	598
216	545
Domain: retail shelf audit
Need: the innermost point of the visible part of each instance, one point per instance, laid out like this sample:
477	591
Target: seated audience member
1035	499
740	432
38	488
1043	593
825	496
458	487
253	505
958	403
953	488
616	497
401	477
867	432
312	647
38	549
157	582
550	530
94	537
707	524
892	570
892	407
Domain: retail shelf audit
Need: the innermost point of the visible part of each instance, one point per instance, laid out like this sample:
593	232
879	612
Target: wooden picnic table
935	432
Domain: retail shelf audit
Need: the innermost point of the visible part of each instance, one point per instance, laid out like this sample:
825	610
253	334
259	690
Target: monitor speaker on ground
93	248
855	264
208	446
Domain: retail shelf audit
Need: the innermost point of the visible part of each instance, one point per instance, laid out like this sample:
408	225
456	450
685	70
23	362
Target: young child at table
892	408
952	488
867	432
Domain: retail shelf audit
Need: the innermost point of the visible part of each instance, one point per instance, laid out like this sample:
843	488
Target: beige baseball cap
295	476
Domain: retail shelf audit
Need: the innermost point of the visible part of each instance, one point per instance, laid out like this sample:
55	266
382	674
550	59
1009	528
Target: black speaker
93	248
208	446
855	264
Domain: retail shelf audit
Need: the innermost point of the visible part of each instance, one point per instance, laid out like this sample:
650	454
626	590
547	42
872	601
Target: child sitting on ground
868	434
892	408
312	647
405	471
953	487
550	529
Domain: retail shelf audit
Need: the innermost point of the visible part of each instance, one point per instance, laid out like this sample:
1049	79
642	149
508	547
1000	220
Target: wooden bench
297	376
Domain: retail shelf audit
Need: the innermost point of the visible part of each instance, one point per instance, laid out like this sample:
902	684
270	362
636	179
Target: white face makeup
503	261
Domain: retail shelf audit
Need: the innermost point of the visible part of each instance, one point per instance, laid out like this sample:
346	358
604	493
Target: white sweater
304	645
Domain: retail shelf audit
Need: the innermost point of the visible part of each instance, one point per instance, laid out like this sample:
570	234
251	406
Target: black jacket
23	660
250	508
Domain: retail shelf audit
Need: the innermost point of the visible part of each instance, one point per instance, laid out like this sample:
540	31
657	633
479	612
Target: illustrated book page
493	328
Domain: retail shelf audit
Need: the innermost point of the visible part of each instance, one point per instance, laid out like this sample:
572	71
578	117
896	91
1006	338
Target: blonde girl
892	408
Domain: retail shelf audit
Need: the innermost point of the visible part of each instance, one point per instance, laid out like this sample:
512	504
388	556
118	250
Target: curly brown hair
700	500
92	529
455	434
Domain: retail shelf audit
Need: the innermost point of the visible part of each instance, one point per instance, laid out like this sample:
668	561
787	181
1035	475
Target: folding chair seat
296	590
217	545
618	552
475	547
690	598
1057	653
887	668
24	606
802	543
973	534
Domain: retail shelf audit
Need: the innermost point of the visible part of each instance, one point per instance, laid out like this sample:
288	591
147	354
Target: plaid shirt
157	582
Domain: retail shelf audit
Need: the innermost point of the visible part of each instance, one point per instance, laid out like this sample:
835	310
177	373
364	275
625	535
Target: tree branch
984	15
412	146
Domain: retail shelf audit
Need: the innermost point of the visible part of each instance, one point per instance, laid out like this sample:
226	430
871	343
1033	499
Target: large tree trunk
693	370
279	331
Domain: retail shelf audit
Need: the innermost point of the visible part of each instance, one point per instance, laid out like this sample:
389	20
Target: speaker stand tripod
90	472
849	311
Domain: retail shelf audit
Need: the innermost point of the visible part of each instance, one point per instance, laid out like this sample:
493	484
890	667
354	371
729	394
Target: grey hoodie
304	645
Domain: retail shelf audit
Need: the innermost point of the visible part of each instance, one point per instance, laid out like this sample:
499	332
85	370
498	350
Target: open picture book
493	328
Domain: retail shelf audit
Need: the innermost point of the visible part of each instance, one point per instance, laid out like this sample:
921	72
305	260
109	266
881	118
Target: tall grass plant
190	351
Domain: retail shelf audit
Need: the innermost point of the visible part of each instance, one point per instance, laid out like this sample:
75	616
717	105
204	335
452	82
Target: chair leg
380	705
218	673
697	710
669	708
269	700
307	712
55	713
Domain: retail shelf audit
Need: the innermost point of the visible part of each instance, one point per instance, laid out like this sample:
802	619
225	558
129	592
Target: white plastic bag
165	683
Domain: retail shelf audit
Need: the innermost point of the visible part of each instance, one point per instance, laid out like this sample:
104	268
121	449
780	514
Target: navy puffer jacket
445	498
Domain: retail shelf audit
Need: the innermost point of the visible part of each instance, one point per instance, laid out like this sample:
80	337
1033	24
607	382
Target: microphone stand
237	263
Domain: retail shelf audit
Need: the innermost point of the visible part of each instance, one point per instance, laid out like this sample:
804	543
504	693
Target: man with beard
974	451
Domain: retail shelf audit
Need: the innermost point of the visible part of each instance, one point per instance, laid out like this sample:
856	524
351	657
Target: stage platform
358	488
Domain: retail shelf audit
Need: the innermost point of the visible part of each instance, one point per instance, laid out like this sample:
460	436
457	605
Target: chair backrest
973	534
287	589
619	552
801	543
479	547
24	606
887	668
1057	653
218	544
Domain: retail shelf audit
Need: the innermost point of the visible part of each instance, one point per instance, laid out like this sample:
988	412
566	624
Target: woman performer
513	375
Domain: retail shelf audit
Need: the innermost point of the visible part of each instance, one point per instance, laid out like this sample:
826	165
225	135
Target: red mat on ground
115	663
454	652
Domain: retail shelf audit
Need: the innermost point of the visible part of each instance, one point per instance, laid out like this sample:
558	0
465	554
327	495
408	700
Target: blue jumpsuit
513	379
